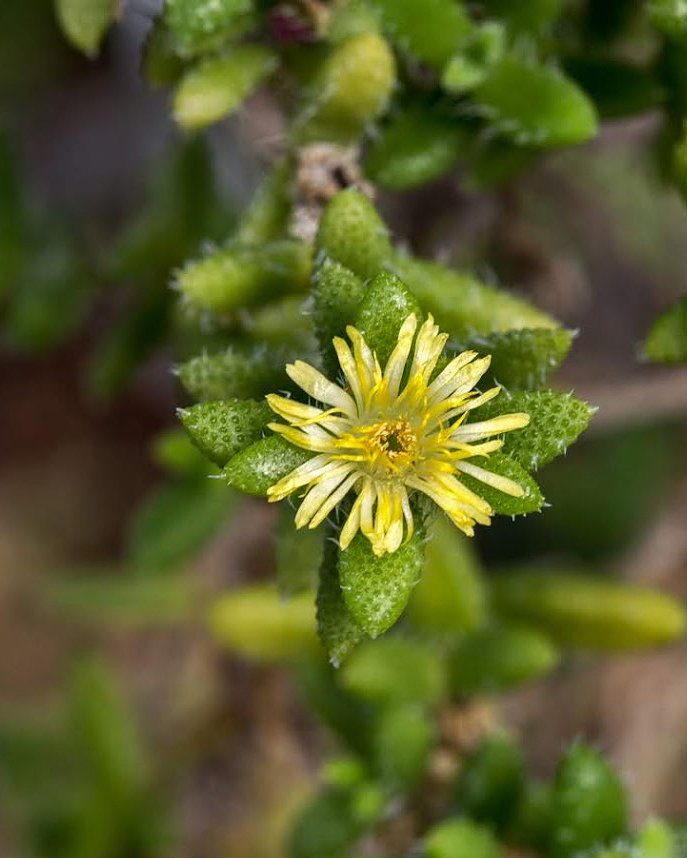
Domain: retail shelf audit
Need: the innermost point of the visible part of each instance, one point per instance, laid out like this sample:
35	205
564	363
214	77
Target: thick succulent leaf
298	554
255	622
450	596
353	88
216	87
337	293
526	16
501	503
338	630
395	670
242	275
203	26
556	421
429	30
589	806
522	359
221	428
415	147
263	464
327	827
352	233
235	373
666	341
85	22
584	611
669	17
462	304
266	218
402	741
386	305
535	105
461	838
499	657
377	589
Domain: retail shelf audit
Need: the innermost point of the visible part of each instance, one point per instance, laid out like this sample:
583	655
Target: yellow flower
384	439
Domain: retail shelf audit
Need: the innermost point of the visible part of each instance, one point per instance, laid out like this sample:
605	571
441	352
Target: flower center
393	444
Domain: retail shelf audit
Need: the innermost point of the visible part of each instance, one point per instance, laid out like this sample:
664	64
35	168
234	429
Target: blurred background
118	714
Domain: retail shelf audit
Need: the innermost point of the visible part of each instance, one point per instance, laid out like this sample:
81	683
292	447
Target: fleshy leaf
386	305
338	630
217	87
85	22
266	218
199	26
589	807
263	464
337	293
583	611
254	621
462	304
242	275
221	428
499	657
234	374
377	589
535	104
395	670
522	359
402	741
353	88
417	146
461	838
429	30
556	421
667	339
352	233
500	502
298	554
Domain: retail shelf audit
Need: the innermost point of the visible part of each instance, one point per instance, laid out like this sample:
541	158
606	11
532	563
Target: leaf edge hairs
385	437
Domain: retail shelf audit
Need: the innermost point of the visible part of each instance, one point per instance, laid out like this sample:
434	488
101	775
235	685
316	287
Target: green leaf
450	596
174	451
353	88
666	341
352	233
522	359
298	554
377	589
386	305
85	22
402	741
526	16
556	421
336	626
656	839
235	373
243	275
221	429
531	823
463	305
461	838
326	828
415	147
125	599
579	610
670	17
491	781
476	55
267	216
589	805
499	657
264	463
337	293
430	30
202	26
105	731
255	622
535	105
501	503
395	670
176	521
217	87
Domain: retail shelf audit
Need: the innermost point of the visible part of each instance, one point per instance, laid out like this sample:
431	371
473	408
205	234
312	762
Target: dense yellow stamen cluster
383	438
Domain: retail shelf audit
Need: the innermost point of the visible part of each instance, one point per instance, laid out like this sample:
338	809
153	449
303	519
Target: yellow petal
495	426
503	484
395	366
320	387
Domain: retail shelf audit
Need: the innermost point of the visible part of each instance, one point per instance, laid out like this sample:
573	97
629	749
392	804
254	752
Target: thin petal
495	426
334	499
313	469
503	484
350	370
428	348
461	382
320	492
320	387
395	366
